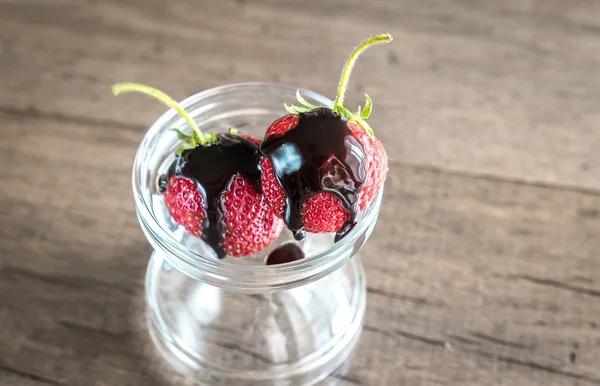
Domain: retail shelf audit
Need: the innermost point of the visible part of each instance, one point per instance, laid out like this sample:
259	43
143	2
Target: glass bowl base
292	337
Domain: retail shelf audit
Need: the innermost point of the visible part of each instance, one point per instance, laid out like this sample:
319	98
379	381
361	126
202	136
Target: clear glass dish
238	321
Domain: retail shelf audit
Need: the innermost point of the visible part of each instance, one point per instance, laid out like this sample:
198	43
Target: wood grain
483	268
519	79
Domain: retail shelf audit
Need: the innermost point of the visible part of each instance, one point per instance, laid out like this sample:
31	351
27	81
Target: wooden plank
472	280
504	272
492	88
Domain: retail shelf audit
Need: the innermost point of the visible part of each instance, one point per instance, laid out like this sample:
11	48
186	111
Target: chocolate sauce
286	253
212	168
319	155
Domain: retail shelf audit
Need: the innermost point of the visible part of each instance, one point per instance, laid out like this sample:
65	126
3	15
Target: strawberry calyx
362	113
190	141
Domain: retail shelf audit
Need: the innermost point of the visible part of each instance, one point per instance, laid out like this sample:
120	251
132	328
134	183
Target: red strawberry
185	204
249	223
212	187
323	212
322	208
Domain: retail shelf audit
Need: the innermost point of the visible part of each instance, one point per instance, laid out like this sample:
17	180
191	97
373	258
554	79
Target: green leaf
290	109
343	112
303	101
296	109
368	108
212	138
180	150
233	131
185	138
196	137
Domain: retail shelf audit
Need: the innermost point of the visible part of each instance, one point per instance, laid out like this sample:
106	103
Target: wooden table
483	269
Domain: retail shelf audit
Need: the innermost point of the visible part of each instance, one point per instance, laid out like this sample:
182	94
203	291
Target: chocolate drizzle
285	253
212	168
319	155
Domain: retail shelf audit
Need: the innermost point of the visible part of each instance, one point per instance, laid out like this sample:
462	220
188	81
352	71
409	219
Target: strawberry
185	204
341	167
212	188
249	222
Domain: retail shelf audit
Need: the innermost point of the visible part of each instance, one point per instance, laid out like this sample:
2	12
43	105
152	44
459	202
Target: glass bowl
236	320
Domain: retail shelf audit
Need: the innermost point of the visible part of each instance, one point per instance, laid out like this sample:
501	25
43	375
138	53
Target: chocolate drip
213	168
285	253
319	155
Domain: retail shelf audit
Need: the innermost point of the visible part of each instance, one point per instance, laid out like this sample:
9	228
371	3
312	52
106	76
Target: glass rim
218	272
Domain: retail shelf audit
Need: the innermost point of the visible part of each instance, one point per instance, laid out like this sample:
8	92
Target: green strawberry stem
361	115
167	100
341	93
